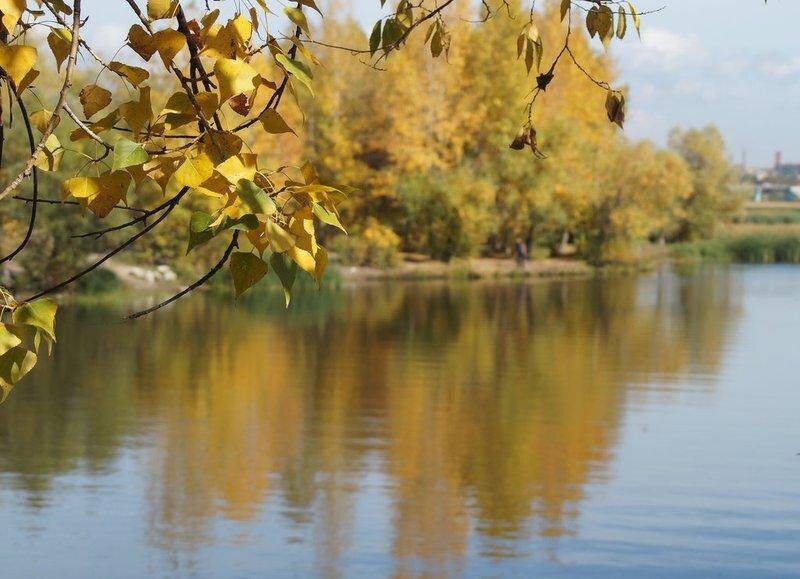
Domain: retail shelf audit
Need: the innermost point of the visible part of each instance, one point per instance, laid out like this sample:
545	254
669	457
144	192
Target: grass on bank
746	243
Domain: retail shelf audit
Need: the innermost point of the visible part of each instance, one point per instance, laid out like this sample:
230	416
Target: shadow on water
476	413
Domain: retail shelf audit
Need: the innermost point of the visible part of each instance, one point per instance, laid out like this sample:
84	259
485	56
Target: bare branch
211	273
112	253
35	183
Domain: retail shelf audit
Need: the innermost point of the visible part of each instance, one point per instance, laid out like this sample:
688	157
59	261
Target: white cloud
667	50
695	89
643	124
788	67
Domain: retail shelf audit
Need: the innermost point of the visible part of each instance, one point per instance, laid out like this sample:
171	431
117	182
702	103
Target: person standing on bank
520	252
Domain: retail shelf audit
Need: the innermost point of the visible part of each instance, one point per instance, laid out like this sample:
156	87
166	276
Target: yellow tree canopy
182	104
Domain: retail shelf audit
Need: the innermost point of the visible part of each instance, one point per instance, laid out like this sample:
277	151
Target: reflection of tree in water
495	404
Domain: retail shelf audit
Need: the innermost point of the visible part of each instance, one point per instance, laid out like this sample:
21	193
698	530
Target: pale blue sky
735	63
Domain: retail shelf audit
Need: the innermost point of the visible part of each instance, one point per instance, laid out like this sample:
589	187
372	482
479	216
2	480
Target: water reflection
483	411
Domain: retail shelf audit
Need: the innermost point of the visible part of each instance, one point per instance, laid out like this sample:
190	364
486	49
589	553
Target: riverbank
735	243
462	269
745	243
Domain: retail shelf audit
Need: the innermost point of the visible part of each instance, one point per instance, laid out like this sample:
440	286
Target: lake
642	426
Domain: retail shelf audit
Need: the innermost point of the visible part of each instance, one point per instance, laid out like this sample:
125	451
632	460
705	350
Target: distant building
776	192
781	183
785	170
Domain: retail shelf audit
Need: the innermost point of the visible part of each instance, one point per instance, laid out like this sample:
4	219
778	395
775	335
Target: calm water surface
636	427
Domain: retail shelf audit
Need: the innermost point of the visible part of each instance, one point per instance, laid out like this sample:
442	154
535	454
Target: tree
713	177
231	80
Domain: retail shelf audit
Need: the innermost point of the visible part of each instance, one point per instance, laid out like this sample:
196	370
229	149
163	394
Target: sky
733	63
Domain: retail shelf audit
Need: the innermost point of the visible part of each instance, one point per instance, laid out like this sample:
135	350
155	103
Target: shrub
446	215
373	245
100	281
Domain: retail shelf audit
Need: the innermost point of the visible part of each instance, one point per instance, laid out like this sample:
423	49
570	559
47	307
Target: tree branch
62	99
211	273
32	222
109	255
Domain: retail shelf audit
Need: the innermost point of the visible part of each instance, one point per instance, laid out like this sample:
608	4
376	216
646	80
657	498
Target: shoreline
466	269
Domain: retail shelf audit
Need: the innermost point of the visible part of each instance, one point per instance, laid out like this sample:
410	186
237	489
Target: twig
32	222
103	259
59	202
141	219
62	99
211	273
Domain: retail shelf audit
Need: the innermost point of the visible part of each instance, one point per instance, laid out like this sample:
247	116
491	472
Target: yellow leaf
141	42
168	43
302	258
133	74
193	171
49	158
297	17
60	42
273	122
280	240
137	113
229	143
160	169
219	42
80	187
18	62
257	239
321	259
215	186
210	18
94	98
8	339
104	124
12	11
179	103
27	80
61	6
239	167
241	28
113	189
159	9
234	77
40	118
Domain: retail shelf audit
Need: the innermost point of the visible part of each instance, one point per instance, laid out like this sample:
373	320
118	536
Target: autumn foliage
251	123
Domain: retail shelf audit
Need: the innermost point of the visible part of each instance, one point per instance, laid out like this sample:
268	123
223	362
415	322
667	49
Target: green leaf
14	364
199	230
247	270
286	270
256	198
297	17
392	33
328	217
41	314
7	340
244	223
127	154
299	70
375	38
